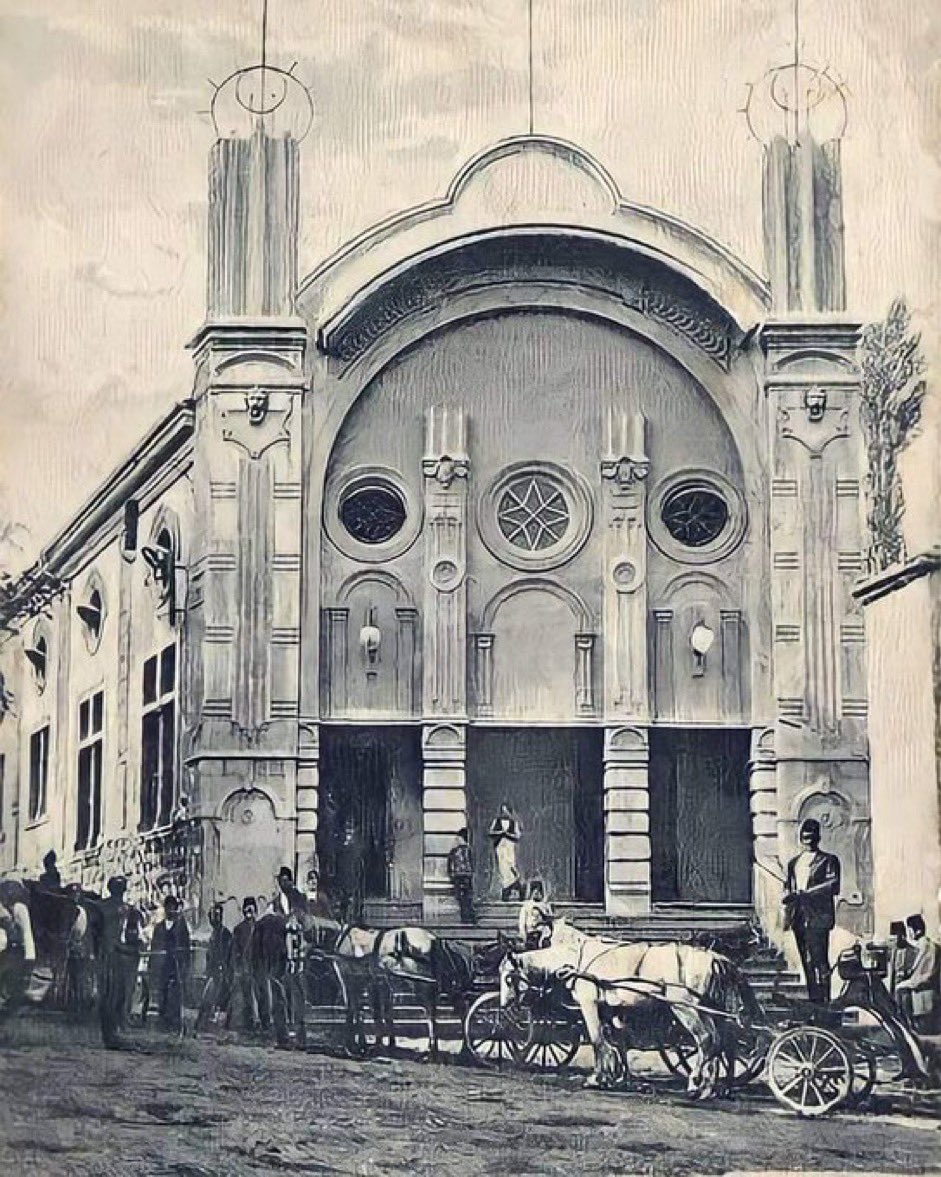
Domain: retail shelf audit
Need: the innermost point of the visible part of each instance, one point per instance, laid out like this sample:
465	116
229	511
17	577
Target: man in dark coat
270	964
461	874
811	887
243	936
110	920
50	876
169	960
217	993
289	898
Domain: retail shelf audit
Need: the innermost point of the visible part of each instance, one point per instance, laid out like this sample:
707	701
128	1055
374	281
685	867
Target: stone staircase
726	927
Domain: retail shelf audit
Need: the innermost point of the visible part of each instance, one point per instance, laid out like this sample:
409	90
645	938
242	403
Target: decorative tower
799	114
248	775
816	753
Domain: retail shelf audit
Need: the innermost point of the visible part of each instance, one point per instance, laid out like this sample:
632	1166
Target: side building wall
90	694
903	623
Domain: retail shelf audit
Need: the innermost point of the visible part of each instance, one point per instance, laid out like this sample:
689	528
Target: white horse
619	981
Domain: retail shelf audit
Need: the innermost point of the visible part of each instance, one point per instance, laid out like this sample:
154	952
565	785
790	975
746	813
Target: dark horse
430	967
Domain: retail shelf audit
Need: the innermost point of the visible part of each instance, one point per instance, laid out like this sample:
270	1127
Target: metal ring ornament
260	93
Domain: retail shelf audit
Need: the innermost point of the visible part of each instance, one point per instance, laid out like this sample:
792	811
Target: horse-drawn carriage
813	1061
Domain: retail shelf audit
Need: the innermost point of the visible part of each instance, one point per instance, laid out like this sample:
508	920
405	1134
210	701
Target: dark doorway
369	836
553	779
700	824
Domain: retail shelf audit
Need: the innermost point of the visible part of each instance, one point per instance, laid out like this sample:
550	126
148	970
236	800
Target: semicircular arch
537	584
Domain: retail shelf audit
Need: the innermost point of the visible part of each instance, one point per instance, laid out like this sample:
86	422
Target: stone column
444	651
445	467
624	470
308	799
820	744
444	803
627	821
763	803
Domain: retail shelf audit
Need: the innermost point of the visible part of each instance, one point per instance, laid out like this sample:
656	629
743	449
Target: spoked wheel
497	1034
678	1056
553	1042
871	1037
751	1050
747	1063
809	1070
865	1074
356	1045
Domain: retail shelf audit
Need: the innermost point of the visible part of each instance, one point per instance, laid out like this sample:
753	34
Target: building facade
525	495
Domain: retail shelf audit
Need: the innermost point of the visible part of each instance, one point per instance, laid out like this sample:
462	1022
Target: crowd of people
258	977
127	965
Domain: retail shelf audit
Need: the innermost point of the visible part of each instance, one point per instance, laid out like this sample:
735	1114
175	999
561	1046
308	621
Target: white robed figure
505	832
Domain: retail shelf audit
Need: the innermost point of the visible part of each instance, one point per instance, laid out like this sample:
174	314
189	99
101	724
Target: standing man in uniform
810	891
243	960
170	958
461	874
111	921
217	992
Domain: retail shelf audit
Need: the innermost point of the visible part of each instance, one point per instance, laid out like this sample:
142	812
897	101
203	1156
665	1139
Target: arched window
91	612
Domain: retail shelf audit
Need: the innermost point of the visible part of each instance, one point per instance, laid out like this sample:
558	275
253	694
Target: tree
890	412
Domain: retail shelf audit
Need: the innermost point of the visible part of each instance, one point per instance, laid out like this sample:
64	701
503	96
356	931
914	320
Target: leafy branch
890	412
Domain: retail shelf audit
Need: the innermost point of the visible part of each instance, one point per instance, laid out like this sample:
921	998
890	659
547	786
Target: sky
105	152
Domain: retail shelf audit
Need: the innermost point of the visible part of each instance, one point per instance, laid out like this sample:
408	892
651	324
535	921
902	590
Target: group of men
255	973
914	978
120	944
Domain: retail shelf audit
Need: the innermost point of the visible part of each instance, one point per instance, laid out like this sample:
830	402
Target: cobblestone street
208	1107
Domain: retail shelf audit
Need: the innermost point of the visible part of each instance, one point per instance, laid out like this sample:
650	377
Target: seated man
918	992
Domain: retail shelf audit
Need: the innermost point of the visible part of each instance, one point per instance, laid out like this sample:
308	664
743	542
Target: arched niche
692	685
371	646
535	653
251	841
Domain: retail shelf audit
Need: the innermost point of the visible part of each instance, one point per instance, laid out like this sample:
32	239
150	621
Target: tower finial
262	97
264	41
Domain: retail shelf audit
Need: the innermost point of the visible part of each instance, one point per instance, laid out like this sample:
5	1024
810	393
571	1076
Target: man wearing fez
810	889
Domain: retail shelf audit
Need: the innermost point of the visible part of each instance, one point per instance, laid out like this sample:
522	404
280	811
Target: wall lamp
370	638
700	640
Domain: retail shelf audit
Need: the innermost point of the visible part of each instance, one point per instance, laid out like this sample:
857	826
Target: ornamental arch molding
538	584
373	576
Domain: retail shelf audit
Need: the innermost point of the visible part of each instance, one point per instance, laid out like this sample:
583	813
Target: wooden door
701	837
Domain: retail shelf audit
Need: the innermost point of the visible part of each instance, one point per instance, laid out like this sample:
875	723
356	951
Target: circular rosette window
535	515
696	517
370	515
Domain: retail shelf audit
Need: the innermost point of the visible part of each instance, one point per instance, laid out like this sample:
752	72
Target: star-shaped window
533	513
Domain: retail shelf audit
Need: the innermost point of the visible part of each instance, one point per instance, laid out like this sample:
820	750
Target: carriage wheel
809	1070
553	1042
678	1056
873	1039
751	1050
497	1034
865	1073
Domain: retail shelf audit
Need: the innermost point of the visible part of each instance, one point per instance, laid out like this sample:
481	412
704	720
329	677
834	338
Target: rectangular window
38	772
91	713
158	739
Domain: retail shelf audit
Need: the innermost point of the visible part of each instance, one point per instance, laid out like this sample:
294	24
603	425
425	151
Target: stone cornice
839	333
891	580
